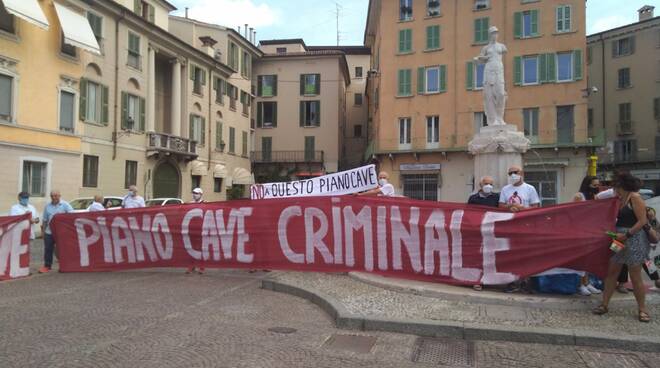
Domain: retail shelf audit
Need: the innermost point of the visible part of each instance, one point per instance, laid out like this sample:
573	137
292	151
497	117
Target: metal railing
286	156
172	144
625	128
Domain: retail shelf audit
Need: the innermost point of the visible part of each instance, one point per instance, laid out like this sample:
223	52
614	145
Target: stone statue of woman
493	90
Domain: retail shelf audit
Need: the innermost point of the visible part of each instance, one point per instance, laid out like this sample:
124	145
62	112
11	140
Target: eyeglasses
514	172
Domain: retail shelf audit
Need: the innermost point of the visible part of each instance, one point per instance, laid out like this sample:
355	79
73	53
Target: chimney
207	45
645	12
186	12
239	29
255	37
250	35
246	30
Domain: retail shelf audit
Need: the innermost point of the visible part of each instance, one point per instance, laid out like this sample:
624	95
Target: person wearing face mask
24	207
485	196
588	192
384	187
518	195
56	205
197	195
132	199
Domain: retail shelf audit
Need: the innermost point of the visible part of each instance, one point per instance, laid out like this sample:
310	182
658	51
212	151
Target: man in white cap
197	195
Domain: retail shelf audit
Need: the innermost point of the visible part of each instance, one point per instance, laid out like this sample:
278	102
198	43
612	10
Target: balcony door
166	181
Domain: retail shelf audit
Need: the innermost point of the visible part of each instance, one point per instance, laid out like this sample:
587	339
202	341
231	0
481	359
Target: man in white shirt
22	207
97	205
384	187
197	195
132	200
518	195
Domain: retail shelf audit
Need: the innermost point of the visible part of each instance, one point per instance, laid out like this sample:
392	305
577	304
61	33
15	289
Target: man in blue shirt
53	208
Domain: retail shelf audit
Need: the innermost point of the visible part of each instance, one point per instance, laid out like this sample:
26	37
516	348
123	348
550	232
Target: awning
220	171
28	10
242	176
198	168
76	29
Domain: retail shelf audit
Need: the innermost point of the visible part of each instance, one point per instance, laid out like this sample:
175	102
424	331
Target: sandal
644	317
600	310
477	287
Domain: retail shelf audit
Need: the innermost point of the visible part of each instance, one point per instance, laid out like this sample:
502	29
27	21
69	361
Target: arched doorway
166	181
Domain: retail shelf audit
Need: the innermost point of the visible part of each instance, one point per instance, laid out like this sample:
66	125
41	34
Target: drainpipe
210	114
603	88
117	95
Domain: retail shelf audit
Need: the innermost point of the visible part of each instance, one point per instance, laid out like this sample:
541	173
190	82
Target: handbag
651	234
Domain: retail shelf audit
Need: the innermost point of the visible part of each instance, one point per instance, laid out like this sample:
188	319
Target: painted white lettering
142	238
435	240
314	239
242	236
84	240
410	239
457	270
107	240
381	235
337	231
158	227
282	223
354	223
185	232
119	227
18	249
210	237
491	245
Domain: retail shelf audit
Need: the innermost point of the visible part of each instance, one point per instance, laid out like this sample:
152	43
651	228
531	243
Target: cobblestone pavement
164	318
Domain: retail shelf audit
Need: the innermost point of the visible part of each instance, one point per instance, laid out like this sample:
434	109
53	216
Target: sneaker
593	289
190	270
44	269
622	289
582	290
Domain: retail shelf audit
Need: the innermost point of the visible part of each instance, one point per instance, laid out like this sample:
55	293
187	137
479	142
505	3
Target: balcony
161	144
625	128
294	157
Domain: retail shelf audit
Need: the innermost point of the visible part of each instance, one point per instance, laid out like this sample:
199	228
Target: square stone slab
597	359
354	343
446	352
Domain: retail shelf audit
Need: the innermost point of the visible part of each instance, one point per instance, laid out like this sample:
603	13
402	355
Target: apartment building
426	101
300	110
624	67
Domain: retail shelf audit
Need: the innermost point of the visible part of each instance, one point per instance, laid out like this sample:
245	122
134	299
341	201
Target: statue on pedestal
493	85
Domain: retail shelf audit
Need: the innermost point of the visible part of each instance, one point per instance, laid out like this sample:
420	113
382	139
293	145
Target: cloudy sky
315	21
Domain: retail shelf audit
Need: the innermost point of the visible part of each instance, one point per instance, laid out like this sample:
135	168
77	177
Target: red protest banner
14	246
444	242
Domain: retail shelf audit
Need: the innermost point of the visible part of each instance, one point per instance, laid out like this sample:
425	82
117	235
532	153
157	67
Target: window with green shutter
310	113
310	84
433	37
93	103
309	148
133	110
267	85
481	30
526	24
404	83
219	144
266	148
405	40
563	20
96	23
244	142
133	50
197	129
232	139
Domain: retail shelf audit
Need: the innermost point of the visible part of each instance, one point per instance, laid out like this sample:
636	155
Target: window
34	178
358	99
217	185
220	87
623	46
432	8
219	143
281	50
421	186
310	148
267	85
433	37
198	76
474	75
432	130
245	102
563	18
405	41
405	9
246	65
433	80
480	121
266	114
266	148
67	106
233	56
545	183
481	4
90	171
197	129
530	70
656	108
404	82
196	181
624	78
565	125
531	124
357	130
358	72
625	150
232	139
310	84
96	23
143	9
6	98
625	118
244	141
526	24
6	21
310	112
67	49
565	67
481	30
93	102
132	112
133	50
404	133
130	173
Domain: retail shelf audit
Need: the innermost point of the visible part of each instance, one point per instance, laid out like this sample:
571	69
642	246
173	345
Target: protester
97	205
197	195
485	196
588	191
22	207
518	195
652	230
132	200
630	230
53	208
384	187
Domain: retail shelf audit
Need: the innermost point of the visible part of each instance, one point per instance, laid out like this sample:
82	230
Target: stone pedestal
495	149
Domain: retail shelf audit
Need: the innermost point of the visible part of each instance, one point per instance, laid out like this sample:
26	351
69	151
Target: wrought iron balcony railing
287	156
166	143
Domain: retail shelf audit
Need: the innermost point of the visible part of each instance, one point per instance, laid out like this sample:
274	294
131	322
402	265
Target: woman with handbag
630	230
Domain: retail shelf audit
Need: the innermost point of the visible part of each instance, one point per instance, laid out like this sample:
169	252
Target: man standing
485	196
518	195
132	200
384	187
24	207
53	208
97	205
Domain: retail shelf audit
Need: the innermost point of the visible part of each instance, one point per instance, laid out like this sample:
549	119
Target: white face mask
132	193
197	197
514	178
382	182
488	188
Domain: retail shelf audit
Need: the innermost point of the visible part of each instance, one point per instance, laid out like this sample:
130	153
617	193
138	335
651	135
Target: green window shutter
203	77
152	14
443	78
302	84
143	110
318	84
517	73
191	127
407	82
400	82
517	25
477	30
302	113
552	68
274	114
275	85
469	75
485	23
218	134
260	111
259	85
104	105
543	68
203	129
429	37
436	34
409	40
402	40
421	80
82	114
318	113
432	37
577	60
124	109
215	83
137	7
192	72
535	22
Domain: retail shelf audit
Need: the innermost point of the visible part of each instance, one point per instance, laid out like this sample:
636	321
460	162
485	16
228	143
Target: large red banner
14	246
444	242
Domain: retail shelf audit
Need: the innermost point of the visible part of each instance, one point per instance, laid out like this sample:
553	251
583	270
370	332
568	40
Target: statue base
495	149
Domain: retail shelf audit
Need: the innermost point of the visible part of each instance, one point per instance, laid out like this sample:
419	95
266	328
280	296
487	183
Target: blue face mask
23	201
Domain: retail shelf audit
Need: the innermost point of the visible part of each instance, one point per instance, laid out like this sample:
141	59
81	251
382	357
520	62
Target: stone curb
469	331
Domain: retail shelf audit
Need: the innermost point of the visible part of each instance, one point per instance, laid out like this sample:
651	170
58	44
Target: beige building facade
624	68
425	91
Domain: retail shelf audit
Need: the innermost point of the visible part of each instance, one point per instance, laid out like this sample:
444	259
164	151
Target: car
109	202
646	194
156	202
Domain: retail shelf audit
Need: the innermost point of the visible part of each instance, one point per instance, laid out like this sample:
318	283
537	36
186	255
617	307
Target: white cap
493	29
198	191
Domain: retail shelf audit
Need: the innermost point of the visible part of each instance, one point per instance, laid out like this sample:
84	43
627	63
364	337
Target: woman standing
630	230
588	191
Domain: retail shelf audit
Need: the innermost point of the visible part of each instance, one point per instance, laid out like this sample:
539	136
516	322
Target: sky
316	21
